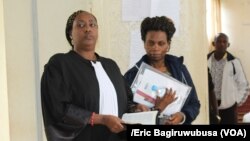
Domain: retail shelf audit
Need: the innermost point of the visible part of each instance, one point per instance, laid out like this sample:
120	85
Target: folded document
144	118
150	83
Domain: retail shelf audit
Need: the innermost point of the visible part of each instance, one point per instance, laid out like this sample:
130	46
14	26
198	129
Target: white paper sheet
144	118
136	47
151	77
135	10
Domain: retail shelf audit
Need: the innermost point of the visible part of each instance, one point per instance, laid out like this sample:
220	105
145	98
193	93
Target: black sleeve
62	119
130	75
131	103
210	82
192	106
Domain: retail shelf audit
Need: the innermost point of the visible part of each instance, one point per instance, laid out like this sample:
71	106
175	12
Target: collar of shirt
224	58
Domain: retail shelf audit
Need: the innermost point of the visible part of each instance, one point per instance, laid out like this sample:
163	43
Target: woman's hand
175	119
162	103
115	124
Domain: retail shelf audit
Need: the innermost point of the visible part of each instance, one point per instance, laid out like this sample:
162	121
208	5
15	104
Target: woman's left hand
168	98
175	119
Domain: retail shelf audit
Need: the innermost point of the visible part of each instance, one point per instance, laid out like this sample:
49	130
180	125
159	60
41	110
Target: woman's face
84	32
156	45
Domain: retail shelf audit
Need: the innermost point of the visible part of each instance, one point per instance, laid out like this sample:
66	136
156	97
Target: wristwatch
154	109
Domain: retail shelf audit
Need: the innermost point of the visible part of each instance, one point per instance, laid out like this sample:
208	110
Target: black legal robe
70	93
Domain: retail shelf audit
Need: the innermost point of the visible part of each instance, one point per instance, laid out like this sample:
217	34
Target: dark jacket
178	71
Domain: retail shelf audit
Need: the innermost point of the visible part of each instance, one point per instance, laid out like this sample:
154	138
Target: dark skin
213	103
221	44
84	36
157	61
160	103
156	46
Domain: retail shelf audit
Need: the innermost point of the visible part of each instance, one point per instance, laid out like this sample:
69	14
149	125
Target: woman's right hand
113	123
141	108
162	103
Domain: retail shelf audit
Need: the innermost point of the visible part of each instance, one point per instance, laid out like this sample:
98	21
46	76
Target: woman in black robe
70	88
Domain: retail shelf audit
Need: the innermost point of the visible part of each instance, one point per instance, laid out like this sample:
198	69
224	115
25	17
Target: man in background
230	84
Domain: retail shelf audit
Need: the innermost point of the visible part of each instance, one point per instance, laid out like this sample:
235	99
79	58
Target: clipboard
147	83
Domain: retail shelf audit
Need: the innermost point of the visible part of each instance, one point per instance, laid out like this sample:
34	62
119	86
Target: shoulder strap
183	78
233	68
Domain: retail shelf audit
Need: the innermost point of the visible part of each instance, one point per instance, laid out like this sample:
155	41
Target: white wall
4	110
192	44
20	70
52	19
236	24
35	30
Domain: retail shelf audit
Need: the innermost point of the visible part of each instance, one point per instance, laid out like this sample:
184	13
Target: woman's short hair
162	23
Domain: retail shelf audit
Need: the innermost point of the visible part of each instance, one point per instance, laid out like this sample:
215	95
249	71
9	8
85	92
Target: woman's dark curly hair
162	23
70	22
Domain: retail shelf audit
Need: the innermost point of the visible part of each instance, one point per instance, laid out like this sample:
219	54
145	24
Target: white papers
148	79
136	47
144	118
169	8
135	10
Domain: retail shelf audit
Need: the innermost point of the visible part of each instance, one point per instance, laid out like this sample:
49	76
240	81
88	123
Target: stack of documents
150	83
143	118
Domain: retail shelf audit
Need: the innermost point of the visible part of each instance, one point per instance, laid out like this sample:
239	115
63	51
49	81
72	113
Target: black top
70	93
